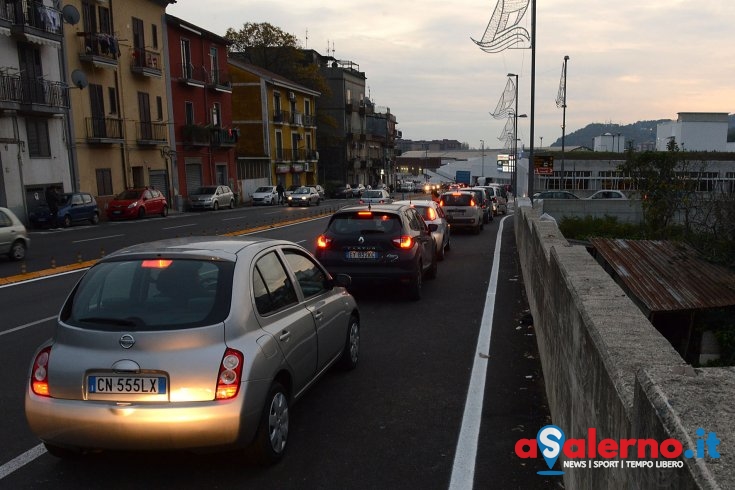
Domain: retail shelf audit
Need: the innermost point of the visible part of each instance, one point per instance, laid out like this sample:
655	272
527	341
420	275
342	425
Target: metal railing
104	128
25	90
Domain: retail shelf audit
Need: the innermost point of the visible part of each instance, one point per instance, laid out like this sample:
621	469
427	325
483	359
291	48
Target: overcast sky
629	60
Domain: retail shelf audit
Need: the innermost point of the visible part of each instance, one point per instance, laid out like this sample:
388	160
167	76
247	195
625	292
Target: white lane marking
463	470
21	327
180	226
97	238
50	276
21	460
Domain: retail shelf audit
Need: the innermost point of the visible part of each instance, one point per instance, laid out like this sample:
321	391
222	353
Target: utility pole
562	102
482	142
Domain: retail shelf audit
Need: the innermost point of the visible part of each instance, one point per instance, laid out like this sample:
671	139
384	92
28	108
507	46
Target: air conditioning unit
291	96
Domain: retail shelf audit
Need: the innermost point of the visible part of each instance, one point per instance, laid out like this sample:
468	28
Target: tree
269	47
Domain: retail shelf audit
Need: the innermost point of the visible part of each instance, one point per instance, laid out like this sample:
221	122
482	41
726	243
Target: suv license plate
361	255
126	384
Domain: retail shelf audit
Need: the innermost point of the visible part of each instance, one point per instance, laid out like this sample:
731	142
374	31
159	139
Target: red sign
543	165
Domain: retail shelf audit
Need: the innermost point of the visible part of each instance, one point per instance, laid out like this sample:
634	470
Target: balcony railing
223	137
43	95
33	18
98	48
146	62
281	116
7	10
190	74
104	129
220	80
309	120
196	135
299	154
150	133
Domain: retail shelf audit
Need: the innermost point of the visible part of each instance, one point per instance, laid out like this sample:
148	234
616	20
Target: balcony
281	117
190	75
104	130
33	95
149	133
224	137
350	106
300	154
195	135
33	21
297	118
147	63
99	49
219	80
309	120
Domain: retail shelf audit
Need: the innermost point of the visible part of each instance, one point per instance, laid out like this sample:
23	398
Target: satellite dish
70	14
79	78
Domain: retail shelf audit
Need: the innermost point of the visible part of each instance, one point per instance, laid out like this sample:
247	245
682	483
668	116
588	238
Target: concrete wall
607	367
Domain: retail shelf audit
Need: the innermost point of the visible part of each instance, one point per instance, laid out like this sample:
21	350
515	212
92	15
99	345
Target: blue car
74	207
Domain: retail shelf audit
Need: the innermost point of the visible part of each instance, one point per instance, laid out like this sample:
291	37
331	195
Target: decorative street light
482	143
514	170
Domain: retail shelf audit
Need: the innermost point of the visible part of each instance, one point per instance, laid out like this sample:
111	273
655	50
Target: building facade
201	109
35	151
695	131
276	121
116	56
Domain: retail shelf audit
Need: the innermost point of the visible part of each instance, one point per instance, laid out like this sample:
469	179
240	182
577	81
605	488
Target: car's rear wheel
17	250
141	213
232	203
351	350
95	219
433	269
67	221
414	287
272	436
215	206
164	211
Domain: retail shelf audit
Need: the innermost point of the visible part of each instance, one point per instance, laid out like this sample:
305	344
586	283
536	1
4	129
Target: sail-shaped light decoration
503	31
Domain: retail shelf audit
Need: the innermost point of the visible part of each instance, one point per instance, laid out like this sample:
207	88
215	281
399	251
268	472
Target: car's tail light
362	202
472	202
39	376
323	241
230	375
403	241
441	203
495	199
431	213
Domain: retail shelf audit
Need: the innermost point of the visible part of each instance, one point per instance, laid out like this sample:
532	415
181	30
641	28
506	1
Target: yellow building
115	55
277	122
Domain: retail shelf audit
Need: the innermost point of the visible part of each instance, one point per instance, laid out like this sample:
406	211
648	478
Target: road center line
463	470
96	238
21	327
21	460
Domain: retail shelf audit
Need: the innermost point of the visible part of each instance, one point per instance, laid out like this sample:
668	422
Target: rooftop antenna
306	45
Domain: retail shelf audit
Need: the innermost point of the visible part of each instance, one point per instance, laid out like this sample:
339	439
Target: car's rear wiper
371	231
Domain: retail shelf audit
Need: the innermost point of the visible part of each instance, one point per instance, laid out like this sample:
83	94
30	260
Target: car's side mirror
342	280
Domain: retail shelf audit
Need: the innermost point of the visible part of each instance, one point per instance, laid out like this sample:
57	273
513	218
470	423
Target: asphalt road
397	421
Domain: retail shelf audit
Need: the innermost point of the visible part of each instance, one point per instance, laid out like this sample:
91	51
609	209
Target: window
216	114
105	22
187	69
104	181
154	35
112	99
310	277
189	112
272	287
159	108
38	140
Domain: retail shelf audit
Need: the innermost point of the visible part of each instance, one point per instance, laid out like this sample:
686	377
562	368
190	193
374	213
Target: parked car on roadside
380	244
608	194
433	214
321	191
303	196
376	196
212	197
358	190
14	240
73	207
462	210
555	195
137	203
343	192
195	343
265	195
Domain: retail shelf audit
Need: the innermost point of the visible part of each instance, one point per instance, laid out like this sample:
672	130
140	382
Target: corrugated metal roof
668	276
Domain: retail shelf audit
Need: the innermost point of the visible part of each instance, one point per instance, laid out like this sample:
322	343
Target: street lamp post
515	138
482	143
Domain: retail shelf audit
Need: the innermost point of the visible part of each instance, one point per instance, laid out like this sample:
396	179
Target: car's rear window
457	199
372	194
156	294
360	222
263	189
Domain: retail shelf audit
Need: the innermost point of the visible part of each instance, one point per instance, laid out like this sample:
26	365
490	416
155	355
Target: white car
14	239
265	194
608	194
376	196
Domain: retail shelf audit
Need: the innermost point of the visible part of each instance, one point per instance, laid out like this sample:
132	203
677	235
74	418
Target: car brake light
432	214
156	264
364	213
441	203
472	202
230	375
403	241
39	376
495	199
323	241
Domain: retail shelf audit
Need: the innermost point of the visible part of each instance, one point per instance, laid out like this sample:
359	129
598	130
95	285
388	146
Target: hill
638	132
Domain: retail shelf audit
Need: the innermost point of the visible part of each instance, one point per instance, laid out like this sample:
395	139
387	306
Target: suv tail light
495	199
404	242
323	241
230	375
39	376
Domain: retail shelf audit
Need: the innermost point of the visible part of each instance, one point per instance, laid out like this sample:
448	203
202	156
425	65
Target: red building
201	102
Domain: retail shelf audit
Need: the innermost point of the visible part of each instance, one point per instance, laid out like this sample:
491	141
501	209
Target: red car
137	203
